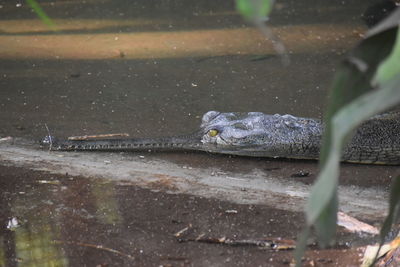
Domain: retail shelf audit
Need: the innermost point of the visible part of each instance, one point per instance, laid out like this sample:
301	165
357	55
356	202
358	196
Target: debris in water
98	136
184	230
270	243
12	223
300	174
53	182
388	253
231	211
94	246
353	225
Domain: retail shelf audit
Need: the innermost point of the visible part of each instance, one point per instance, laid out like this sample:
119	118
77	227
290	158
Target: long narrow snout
184	142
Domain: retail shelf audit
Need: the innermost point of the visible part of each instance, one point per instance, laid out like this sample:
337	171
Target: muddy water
60	220
152	68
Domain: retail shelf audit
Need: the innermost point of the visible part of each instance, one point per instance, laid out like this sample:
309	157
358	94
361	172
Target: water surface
153	68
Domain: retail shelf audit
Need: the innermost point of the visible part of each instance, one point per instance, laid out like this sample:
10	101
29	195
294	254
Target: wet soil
77	221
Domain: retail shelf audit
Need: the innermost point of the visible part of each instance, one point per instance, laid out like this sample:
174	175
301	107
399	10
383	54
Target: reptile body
377	141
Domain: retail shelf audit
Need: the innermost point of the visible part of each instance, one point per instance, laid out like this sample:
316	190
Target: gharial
376	141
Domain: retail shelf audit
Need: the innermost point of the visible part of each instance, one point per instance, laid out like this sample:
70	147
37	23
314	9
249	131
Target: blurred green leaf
394	208
257	12
301	245
390	67
355	98
325	224
254	10
42	15
371	255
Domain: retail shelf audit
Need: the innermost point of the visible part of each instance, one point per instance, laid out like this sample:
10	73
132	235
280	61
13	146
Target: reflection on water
65	221
32	224
39	225
107	210
35	246
42	219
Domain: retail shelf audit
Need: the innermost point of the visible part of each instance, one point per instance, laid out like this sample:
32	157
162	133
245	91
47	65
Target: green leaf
343	123
394	206
254	10
301	245
325	225
354	99
391	66
41	14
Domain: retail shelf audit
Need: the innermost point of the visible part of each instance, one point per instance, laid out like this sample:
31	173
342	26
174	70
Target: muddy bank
256	186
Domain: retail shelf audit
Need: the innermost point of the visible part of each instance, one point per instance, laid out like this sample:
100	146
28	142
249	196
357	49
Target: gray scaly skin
377	141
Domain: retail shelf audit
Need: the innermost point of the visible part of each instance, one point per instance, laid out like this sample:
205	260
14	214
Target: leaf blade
41	14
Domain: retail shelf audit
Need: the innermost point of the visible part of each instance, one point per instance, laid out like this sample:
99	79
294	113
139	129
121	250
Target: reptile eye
213	132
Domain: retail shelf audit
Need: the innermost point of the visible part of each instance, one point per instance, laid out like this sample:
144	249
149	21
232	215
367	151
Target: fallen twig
98	136
184	230
96	247
271	243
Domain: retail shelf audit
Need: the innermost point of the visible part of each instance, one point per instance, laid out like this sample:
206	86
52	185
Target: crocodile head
255	133
230	129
